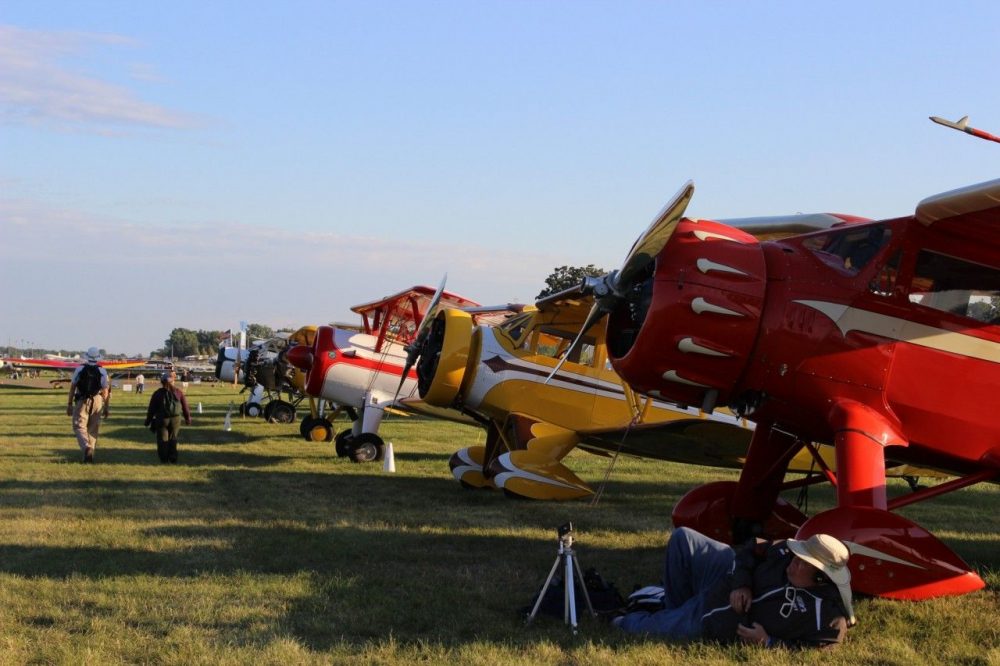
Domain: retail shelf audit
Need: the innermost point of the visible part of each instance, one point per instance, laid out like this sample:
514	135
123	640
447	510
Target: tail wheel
367	447
279	411
342	442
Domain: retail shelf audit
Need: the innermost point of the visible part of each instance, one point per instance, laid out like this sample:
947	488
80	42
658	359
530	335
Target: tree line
186	342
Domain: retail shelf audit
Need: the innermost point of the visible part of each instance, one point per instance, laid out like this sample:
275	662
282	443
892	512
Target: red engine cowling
315	360
689	340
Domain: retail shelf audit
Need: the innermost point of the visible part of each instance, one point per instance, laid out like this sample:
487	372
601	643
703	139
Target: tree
565	277
259	332
182	342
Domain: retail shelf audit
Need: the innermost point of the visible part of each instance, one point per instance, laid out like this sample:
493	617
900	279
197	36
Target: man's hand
69	410
107	412
752	634
740	599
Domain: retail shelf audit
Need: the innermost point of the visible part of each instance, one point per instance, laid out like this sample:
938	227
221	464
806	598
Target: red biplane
881	338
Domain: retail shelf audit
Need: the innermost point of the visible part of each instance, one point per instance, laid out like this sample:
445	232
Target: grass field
259	547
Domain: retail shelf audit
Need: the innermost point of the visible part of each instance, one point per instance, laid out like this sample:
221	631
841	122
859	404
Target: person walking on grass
140	383
167	406
89	399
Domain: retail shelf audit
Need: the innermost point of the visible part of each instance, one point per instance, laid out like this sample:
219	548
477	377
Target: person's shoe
88	456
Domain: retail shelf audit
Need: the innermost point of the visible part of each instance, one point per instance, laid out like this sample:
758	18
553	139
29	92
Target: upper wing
971	213
419	297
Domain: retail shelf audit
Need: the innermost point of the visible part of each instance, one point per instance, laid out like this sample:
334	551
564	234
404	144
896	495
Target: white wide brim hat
829	555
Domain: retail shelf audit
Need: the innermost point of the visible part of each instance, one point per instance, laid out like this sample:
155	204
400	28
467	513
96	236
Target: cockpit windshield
849	249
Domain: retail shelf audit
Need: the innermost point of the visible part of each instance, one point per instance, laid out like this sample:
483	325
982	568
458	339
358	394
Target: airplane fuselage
785	331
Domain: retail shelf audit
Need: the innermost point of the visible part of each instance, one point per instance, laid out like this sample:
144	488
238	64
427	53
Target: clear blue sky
200	163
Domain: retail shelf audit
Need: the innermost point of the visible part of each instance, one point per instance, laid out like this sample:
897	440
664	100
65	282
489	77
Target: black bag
604	597
88	382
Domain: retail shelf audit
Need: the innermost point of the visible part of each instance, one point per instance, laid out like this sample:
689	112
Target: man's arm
106	392
185	409
831	636
69	398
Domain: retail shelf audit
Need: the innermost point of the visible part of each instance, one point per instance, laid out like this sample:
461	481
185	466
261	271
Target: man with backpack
89	398
163	416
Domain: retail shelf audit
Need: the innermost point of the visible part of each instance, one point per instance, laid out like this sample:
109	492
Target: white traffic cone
228	424
199	408
389	463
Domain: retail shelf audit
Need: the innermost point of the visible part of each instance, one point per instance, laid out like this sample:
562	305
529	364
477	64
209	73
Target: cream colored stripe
854	319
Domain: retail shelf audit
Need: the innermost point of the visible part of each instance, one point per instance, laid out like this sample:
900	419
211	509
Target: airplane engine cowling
315	361
686	332
444	358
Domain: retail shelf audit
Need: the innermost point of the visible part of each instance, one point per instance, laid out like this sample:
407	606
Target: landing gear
279	411
342	442
366	447
251	409
315	429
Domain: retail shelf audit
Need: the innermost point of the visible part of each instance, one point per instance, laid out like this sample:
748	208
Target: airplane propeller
413	349
612	288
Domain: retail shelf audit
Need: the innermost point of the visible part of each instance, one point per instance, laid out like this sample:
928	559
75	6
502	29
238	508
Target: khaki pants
87	421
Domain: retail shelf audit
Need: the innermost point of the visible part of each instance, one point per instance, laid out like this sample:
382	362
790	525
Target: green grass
260	547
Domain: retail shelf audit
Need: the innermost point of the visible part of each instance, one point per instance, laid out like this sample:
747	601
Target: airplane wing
419	296
418	407
694	441
970	213
50	364
710	443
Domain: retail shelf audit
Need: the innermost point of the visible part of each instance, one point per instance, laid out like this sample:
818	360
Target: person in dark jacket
793	593
166	407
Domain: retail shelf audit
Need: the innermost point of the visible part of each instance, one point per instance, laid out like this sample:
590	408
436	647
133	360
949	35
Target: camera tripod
566	557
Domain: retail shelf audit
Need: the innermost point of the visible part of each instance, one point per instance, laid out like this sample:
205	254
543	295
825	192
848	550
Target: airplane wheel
280	412
342	443
308	422
252	409
266	412
366	447
320	430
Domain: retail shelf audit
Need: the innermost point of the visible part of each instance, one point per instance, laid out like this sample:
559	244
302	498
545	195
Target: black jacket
792	616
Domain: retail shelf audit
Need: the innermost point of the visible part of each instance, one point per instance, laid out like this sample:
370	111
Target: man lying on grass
786	593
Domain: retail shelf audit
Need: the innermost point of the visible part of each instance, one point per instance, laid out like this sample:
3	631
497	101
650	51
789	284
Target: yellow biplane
502	375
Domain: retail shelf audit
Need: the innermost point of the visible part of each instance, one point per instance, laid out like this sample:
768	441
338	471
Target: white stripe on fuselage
854	319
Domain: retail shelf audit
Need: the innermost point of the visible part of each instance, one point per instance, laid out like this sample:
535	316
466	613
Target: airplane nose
301	357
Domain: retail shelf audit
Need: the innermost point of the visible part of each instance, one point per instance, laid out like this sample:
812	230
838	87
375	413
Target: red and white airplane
363	371
881	338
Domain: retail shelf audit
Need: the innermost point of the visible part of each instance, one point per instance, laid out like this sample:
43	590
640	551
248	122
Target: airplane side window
884	283
849	249
957	286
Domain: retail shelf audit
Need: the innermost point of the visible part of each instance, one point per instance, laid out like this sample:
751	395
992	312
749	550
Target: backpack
88	382
171	406
604	597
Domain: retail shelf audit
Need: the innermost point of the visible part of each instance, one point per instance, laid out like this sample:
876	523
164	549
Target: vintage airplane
498	374
361	372
881	338
274	387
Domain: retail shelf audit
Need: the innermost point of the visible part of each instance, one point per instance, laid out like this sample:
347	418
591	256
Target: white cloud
37	87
